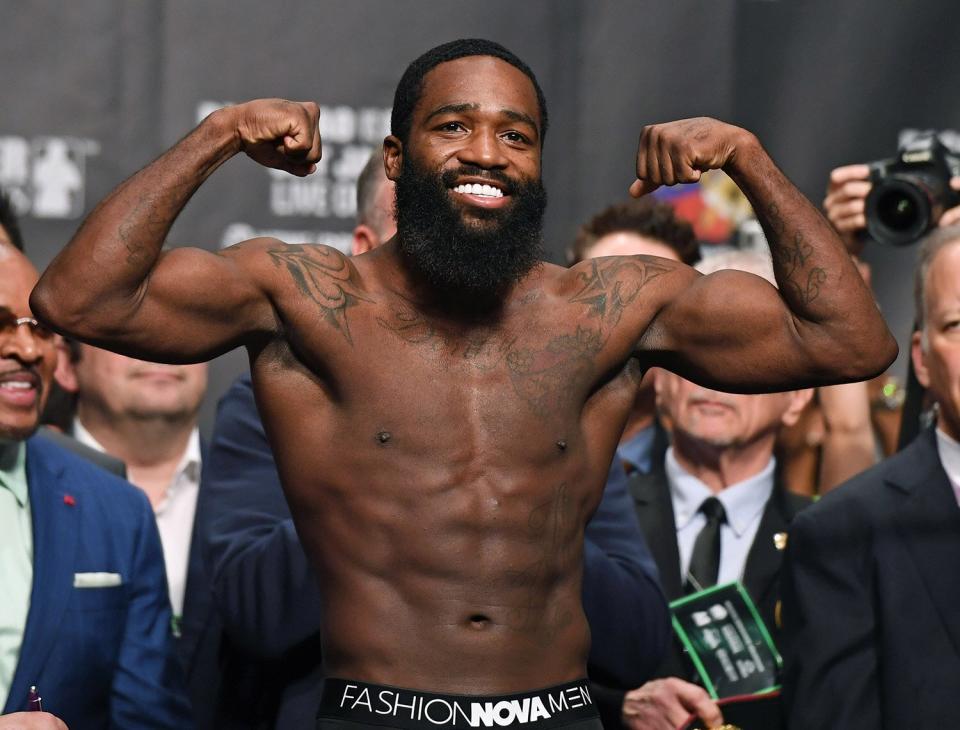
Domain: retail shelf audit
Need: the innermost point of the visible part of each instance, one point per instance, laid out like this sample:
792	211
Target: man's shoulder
96	485
101	459
867	498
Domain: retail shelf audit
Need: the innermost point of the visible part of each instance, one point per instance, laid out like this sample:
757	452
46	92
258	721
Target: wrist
746	147
222	124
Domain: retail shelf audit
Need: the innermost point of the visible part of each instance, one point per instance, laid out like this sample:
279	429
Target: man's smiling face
28	355
469	197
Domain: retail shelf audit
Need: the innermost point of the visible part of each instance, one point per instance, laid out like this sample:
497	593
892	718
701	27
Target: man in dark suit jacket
85	614
871	603
722	452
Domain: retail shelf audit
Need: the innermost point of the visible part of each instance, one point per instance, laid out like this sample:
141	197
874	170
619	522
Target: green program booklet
727	641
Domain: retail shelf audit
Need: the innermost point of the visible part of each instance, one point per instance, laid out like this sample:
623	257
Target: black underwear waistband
374	704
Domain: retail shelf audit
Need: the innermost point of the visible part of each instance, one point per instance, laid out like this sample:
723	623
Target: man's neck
151	448
721	467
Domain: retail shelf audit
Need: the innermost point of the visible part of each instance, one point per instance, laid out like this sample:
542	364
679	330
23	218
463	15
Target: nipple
383	437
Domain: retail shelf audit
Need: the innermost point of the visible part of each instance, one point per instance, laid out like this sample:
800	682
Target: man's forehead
943	278
483	82
17	277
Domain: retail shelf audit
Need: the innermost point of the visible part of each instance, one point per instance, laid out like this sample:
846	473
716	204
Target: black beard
467	265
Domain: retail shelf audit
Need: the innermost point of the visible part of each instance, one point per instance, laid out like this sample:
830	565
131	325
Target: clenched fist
281	134
678	152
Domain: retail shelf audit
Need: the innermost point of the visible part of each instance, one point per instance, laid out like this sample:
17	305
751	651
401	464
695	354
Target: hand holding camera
898	200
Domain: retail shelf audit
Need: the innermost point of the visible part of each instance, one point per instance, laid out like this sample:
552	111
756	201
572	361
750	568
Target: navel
480	622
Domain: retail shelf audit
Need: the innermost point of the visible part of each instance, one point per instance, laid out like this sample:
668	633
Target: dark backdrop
95	89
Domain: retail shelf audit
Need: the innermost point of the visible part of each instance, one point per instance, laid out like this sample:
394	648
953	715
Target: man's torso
441	474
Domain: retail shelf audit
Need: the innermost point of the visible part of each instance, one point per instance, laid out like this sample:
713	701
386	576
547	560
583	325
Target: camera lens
898	210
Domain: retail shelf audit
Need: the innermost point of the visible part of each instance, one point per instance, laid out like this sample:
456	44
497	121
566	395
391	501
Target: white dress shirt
743	502
174	514
949	451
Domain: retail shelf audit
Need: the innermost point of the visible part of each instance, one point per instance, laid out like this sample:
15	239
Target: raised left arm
734	331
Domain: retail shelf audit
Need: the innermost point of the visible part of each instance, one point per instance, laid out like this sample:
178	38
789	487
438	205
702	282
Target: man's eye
451	127
514	137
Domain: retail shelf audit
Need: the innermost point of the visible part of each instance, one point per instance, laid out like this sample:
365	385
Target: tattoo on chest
546	378
326	277
546	375
483	348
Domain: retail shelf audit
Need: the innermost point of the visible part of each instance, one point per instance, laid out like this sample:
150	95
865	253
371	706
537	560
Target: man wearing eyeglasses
84	615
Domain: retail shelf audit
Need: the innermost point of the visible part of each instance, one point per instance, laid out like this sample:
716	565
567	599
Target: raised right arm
113	286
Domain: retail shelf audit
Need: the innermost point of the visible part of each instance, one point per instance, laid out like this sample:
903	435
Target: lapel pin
69	500
780	540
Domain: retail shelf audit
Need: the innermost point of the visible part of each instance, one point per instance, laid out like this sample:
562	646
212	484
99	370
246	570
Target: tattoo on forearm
802	282
325	276
145	225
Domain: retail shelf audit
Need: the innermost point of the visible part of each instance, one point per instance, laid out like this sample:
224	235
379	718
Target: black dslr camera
912	190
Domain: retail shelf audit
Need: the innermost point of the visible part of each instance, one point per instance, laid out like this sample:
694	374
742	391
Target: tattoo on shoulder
611	285
325	276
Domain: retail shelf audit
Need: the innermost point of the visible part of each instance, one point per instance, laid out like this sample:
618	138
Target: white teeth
488	191
16	385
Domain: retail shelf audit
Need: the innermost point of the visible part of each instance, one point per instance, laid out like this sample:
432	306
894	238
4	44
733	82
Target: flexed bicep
732	331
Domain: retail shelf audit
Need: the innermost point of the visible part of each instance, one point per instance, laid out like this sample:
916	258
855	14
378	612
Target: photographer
848	427
845	204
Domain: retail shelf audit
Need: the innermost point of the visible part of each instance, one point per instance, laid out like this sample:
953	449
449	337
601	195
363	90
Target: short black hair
645	217
411	83
8	219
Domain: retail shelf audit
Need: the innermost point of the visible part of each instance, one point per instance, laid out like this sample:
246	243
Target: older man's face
938	364
725	420
28	355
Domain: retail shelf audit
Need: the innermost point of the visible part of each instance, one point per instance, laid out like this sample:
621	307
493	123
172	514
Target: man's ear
65	374
919	359
392	157
364	239
798	401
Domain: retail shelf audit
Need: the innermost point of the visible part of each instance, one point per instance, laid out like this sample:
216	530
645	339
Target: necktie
705	561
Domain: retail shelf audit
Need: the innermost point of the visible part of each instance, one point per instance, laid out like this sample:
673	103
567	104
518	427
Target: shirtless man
448	535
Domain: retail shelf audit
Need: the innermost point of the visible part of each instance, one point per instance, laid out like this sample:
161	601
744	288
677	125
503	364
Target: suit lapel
764	559
55	529
928	522
651	496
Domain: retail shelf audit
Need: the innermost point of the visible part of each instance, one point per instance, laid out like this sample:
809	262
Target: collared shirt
635	453
744	503
174	514
949	451
16	558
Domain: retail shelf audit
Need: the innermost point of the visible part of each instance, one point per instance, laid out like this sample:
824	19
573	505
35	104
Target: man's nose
21	344
483	150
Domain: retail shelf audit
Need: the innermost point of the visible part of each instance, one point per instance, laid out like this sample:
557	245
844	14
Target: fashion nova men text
405	705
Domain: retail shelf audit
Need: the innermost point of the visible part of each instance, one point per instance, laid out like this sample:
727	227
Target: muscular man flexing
448	536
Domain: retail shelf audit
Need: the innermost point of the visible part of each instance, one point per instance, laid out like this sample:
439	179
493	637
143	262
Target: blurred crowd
193	603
